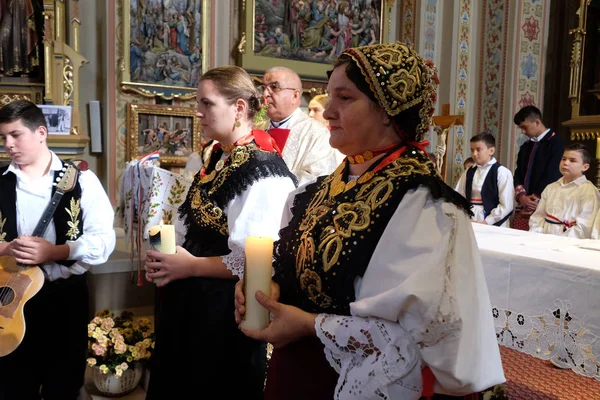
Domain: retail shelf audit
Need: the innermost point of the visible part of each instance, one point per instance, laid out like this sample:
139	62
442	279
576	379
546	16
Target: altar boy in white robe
487	185
303	141
568	206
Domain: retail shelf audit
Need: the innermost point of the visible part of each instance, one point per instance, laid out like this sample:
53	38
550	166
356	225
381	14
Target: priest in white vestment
303	141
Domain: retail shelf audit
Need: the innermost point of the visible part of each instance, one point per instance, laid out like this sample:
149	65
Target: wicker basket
110	385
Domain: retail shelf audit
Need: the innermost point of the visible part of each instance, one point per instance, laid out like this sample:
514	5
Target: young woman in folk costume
382	292
240	190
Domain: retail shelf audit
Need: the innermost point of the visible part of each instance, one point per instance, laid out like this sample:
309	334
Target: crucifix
442	124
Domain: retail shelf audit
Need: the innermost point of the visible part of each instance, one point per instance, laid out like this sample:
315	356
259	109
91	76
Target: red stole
280	135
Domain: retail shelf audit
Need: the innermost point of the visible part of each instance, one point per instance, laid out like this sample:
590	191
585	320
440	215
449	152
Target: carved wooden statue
20	29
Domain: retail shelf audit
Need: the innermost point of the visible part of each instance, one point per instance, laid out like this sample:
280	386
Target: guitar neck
44	221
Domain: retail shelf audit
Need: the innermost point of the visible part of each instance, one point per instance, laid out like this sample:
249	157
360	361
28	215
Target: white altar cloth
545	295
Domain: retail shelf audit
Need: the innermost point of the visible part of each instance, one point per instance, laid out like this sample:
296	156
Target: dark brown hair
487	138
582	149
25	111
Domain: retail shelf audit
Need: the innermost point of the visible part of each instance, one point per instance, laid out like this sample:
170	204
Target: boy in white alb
569	205
487	185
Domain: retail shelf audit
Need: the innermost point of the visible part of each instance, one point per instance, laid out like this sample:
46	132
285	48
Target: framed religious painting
165	46
172	131
308	35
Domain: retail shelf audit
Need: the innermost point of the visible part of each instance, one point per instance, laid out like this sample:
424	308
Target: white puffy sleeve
596	227
423	301
589	201
537	219
256	212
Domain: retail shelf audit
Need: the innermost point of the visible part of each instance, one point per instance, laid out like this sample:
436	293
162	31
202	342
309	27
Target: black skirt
199	346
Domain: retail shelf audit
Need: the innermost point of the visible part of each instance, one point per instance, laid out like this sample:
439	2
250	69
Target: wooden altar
584	124
59	83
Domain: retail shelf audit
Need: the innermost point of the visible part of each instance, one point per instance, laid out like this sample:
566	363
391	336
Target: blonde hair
234	83
322	99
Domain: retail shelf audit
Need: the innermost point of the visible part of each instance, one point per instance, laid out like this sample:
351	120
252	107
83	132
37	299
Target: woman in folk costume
240	190
380	280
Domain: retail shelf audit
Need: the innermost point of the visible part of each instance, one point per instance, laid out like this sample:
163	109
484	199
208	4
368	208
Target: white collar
55	165
539	138
579	181
487	164
283	122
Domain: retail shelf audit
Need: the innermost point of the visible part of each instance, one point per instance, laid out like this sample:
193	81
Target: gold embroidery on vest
73	211
348	217
207	213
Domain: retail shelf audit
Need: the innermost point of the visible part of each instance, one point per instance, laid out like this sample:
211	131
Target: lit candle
598	147
257	276
162	239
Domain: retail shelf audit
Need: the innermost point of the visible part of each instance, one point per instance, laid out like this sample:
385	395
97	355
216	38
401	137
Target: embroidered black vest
67	219
333	234
489	190
214	187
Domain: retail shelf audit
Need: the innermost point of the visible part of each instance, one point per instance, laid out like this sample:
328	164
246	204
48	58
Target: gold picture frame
262	46
172	131
165	51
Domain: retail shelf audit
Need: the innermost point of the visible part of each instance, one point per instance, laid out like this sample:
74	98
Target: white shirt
537	139
577	201
96	243
506	193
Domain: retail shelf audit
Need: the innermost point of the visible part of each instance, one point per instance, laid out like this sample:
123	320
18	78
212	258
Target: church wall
492	74
526	67
501	69
491	61
92	80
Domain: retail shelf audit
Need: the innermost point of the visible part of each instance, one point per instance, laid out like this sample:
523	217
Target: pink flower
120	347
99	350
107	324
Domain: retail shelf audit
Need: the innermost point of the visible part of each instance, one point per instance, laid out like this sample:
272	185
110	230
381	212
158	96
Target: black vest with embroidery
67	219
489	190
212	190
332	236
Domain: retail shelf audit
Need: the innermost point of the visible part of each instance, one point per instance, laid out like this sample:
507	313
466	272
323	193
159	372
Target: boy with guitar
55	222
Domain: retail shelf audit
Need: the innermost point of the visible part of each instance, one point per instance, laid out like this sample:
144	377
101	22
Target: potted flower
118	349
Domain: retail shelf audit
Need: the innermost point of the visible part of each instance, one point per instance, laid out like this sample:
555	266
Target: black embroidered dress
198	344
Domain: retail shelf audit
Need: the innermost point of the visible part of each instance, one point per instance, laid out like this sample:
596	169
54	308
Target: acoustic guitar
19	283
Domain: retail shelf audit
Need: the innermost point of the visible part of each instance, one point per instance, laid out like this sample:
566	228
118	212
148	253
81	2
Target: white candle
162	239
257	276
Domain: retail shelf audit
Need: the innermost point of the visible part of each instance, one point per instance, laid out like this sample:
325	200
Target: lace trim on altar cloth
235	261
556	335
375	359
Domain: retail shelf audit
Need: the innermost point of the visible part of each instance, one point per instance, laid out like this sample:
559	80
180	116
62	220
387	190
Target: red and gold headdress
399	78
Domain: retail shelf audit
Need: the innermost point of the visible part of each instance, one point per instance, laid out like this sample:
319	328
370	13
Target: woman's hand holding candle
240	299
288	325
162	239
169	267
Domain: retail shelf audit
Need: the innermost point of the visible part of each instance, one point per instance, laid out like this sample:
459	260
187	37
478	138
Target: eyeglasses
274	88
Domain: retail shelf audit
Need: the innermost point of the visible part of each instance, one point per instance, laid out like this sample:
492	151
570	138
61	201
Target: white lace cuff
235	261
375	358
